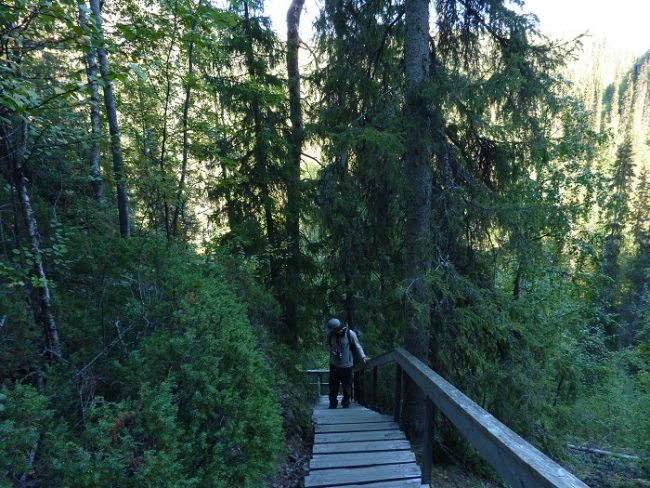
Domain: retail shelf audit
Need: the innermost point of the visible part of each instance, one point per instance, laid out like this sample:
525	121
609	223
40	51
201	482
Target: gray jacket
341	344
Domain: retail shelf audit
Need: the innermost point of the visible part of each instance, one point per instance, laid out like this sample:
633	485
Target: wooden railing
516	460
318	374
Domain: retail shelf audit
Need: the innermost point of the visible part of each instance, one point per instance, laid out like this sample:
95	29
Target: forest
186	197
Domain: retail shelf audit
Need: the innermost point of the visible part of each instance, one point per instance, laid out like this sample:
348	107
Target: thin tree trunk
186	109
516	292
296	139
418	201
95	121
22	482
32	299
163	145
113	125
46	317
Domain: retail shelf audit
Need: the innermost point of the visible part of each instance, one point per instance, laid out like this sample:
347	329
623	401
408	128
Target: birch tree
113	124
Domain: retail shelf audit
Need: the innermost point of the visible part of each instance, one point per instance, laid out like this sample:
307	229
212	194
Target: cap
333	324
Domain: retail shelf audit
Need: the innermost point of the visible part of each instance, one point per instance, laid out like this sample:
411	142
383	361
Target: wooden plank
379	435
409	483
348	417
353	406
317	371
366	446
520	463
346	476
360	427
358	459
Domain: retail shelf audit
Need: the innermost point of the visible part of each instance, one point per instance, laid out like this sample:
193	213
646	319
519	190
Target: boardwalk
357	447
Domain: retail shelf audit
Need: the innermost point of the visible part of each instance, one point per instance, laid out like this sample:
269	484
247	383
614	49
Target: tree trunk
516	291
163	145
113	126
95	121
186	109
418	168
43	315
296	139
162	195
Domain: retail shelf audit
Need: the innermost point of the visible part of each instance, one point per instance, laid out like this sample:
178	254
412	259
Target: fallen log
602	452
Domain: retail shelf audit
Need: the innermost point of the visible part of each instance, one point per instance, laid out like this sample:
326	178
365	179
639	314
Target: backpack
356	355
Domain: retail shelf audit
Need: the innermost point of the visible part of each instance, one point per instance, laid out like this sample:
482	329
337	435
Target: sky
624	23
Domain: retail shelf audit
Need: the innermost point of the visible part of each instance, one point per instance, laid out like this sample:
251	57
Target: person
340	343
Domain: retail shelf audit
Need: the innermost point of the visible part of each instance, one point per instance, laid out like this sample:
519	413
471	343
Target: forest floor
600	471
293	469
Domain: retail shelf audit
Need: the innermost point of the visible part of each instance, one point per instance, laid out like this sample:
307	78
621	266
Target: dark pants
344	376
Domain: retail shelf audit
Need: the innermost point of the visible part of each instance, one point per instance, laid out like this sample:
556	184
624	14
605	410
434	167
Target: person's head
334	325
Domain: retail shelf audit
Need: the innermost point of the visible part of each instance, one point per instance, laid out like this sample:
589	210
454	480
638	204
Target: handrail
515	459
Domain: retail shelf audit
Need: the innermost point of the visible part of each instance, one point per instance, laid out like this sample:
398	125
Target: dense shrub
181	393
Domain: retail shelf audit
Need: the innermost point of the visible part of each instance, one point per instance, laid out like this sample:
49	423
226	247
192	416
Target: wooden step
358	448
349	417
358	427
360	459
367	446
409	483
375	435
347	476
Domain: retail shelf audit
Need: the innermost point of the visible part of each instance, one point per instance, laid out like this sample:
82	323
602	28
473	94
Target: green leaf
138	71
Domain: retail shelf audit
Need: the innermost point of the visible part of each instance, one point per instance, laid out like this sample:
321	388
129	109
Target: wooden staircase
358	447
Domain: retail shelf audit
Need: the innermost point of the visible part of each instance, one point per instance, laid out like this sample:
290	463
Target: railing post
374	387
398	393
319	384
429	432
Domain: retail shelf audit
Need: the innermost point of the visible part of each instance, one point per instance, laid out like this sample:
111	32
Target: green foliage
24	415
185	397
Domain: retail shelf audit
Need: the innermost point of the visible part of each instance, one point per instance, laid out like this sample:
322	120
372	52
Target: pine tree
418	171
293	168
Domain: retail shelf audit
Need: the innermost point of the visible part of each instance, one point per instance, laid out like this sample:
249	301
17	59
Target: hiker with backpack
343	344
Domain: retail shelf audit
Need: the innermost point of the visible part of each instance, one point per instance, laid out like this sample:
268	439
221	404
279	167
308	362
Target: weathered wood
520	463
374	388
348	417
365	446
385	358
381	435
352	407
427	455
359	459
338	477
360	427
318	373
324	404
409	483
511	456
398	393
